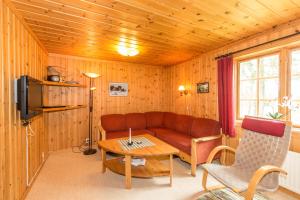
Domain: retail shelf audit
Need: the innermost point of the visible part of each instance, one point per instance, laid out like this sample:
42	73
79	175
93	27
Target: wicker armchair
258	158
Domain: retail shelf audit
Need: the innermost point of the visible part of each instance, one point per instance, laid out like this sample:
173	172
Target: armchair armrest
210	158
216	150
102	133
258	175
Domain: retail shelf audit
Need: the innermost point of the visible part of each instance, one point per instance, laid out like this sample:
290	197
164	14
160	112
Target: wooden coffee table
153	167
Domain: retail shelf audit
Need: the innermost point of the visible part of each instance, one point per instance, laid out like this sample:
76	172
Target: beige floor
71	176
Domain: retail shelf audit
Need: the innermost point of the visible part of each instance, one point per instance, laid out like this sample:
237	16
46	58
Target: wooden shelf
63	108
50	83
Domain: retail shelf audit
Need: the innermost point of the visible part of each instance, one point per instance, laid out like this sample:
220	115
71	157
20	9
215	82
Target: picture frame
203	87
118	89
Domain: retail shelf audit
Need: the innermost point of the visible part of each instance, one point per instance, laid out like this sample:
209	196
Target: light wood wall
204	68
20	54
146	93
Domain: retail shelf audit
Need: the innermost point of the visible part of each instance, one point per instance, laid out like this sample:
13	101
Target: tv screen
30	97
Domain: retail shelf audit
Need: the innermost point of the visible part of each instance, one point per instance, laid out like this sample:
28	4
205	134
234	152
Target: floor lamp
92	76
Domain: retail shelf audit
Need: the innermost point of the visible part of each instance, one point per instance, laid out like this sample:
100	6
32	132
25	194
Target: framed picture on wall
118	89
203	87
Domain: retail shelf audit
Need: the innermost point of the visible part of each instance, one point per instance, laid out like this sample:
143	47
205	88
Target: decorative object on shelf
203	87
53	74
182	90
118	89
287	104
53	78
92	76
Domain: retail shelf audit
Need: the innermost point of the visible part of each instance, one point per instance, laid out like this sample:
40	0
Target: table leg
171	169
128	171
103	157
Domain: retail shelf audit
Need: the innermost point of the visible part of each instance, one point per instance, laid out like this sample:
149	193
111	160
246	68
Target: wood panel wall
69	128
204	68
20	54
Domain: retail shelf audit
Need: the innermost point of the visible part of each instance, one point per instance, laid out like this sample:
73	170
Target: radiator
292	166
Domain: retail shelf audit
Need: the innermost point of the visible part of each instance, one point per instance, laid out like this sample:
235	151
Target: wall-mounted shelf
50	83
54	109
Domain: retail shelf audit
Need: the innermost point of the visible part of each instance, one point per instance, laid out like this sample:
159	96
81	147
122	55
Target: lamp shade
91	74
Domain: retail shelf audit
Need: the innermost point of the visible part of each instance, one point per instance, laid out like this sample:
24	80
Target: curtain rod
241	50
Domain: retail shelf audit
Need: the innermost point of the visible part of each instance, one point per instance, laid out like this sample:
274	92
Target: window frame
257	57
289	82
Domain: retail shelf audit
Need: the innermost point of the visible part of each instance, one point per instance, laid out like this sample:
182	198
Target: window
295	84
258	86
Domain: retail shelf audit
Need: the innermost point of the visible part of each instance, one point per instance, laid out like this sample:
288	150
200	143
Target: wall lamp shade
182	90
91	74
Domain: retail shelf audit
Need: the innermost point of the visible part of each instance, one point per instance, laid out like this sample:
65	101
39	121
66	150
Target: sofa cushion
202	127
154	119
183	123
120	134
169	120
178	140
135	121
113	122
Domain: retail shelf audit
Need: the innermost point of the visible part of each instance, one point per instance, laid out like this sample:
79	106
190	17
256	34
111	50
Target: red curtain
225	95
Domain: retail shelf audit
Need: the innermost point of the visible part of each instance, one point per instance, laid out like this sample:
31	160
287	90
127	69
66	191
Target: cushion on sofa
120	134
135	121
203	127
113	122
183	123
169	120
178	140
154	119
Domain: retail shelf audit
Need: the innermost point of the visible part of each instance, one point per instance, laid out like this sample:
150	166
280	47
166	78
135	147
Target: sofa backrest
169	120
135	121
113	122
154	119
183	123
202	127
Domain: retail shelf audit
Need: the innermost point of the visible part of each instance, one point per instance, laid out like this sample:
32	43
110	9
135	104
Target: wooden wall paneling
20	54
146	93
204	68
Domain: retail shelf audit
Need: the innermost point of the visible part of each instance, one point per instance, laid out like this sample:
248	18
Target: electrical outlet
87	140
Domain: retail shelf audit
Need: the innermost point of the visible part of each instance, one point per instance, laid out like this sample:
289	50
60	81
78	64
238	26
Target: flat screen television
30	97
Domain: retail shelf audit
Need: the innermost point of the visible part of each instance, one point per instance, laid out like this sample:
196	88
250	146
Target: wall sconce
182	90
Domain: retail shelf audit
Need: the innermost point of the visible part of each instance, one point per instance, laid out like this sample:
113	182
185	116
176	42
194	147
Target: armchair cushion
135	121
154	119
264	126
113	122
203	127
233	177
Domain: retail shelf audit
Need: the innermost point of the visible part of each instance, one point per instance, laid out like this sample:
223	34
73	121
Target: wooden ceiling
166	31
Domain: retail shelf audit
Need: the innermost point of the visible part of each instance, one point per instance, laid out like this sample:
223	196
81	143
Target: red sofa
194	137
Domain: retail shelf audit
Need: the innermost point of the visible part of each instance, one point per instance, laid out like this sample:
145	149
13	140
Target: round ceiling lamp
127	48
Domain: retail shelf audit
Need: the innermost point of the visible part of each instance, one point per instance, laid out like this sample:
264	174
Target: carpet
227	194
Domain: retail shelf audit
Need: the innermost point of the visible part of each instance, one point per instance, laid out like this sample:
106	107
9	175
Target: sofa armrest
102	133
195	141
258	175
207	138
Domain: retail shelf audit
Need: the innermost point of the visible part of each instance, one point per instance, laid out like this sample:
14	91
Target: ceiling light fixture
127	47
